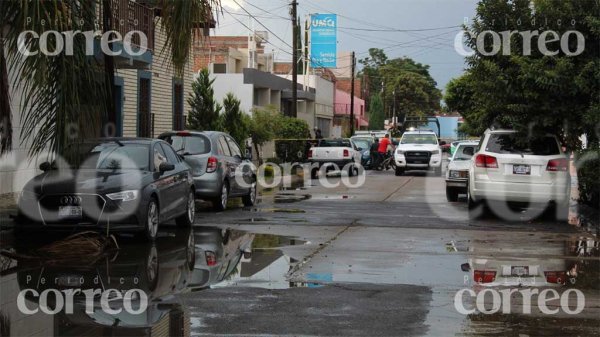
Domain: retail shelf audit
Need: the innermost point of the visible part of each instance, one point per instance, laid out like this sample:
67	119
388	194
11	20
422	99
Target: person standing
383	146
374	151
318	134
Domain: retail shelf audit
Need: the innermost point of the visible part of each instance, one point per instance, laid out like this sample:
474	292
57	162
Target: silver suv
219	167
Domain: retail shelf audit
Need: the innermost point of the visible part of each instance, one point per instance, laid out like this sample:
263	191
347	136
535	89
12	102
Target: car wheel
451	194
220	203
351	171
477	209
152	219
250	198
399	171
187	219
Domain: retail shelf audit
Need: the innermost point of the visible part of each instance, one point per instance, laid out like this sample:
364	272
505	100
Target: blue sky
433	47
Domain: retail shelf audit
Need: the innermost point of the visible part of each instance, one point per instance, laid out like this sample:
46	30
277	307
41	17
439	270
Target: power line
265	27
398	30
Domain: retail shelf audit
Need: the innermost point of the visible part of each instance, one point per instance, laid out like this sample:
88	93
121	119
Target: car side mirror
248	155
165	167
45	166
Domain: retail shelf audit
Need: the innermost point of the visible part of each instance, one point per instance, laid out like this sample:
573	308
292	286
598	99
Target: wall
162	90
225	83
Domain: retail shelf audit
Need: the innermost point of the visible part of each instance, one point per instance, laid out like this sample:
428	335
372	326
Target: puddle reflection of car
218	254
123	184
159	270
457	173
514	268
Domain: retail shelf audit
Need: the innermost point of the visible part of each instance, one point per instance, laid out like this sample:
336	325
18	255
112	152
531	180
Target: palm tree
68	98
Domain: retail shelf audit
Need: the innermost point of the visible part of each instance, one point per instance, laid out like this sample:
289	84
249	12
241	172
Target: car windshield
189	145
108	156
335	143
464	152
415	138
512	143
363	144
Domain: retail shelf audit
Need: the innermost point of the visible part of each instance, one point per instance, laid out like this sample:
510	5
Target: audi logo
71	200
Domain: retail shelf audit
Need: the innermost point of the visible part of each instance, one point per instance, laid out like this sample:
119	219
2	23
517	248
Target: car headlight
435	152
399	152
366	153
124	195
458	174
29	195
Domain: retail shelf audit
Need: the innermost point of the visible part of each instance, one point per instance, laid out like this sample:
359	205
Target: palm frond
180	20
5	111
63	97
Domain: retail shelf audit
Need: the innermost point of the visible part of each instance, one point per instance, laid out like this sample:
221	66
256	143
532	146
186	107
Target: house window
220	68
145	122
178	118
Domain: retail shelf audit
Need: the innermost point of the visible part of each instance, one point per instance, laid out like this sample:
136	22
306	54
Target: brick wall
345	84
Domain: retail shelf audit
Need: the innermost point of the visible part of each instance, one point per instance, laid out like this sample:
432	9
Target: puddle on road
182	261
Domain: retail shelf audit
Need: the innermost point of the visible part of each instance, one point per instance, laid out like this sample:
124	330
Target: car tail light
558	165
483	160
557	277
346	153
183	133
484	276
310	154
211	258
212	164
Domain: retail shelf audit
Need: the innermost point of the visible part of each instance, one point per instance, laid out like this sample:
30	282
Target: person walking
318	134
374	151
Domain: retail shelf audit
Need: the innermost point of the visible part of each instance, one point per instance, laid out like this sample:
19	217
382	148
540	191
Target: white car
510	168
418	150
457	172
334	155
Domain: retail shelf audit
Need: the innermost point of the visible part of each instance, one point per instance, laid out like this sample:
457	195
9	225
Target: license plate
69	212
522	169
519	271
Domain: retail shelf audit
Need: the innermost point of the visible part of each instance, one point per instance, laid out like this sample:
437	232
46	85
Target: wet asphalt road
385	259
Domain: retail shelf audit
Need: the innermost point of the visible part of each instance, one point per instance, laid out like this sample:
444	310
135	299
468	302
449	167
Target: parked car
220	169
125	184
364	142
419	150
457	172
335	154
509	167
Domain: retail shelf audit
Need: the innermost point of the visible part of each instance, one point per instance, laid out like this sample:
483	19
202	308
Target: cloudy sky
429	41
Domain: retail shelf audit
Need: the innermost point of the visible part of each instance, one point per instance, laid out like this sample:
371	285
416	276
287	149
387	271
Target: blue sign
323	41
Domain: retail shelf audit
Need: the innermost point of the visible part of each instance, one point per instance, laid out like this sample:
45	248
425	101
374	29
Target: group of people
380	149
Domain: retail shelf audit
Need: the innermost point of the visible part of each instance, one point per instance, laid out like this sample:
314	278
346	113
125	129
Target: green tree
205	110
262	127
376	115
533	92
234	121
74	92
292	128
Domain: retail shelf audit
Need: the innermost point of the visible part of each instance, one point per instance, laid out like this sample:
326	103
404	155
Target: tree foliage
235	121
402	82
532	93
205	110
376	115
292	128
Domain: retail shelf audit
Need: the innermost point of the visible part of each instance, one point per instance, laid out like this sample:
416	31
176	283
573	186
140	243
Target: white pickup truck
334	155
419	150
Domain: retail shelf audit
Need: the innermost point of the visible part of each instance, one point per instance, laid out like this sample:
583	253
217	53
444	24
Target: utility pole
352	95
294	112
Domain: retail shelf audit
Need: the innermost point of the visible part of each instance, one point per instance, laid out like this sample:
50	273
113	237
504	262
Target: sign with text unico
323	41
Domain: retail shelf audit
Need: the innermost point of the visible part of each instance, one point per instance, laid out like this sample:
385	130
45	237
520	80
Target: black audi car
119	184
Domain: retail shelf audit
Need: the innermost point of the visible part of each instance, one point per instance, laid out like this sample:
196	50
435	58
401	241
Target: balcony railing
129	16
